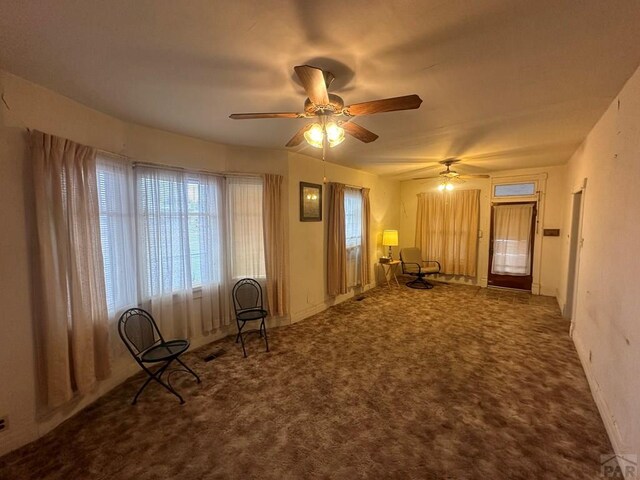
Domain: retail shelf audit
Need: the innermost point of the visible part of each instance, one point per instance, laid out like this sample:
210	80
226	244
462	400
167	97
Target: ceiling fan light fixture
314	135
448	186
335	134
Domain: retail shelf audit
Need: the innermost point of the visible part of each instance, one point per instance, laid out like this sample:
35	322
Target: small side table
390	270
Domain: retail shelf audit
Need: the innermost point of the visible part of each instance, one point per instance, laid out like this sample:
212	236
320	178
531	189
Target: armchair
412	264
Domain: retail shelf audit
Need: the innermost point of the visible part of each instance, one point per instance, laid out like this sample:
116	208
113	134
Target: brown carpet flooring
456	382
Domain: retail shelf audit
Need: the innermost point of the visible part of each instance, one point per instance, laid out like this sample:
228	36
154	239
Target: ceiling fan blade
248	116
408	102
359	132
298	137
456	177
426	178
313	81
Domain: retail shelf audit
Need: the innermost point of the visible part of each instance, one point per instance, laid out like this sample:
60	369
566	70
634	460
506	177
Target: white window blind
179	230
117	232
205	229
353	234
246	236
161	201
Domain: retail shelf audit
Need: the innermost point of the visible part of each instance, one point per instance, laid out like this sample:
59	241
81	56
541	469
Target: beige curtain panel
336	242
70	301
274	245
512	239
447	230
366	257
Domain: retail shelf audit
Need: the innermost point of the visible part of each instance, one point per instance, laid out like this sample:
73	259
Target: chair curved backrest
247	294
411	258
138	330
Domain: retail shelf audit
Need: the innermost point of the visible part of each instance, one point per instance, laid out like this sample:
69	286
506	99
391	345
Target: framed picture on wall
310	202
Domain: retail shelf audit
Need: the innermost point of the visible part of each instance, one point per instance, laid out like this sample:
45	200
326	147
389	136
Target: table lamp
390	239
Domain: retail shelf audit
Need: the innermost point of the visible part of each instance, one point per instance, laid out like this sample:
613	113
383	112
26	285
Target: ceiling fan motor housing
336	104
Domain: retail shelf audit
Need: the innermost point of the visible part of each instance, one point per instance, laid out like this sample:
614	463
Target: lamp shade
390	238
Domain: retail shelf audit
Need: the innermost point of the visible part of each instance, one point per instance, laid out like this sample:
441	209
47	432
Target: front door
511	246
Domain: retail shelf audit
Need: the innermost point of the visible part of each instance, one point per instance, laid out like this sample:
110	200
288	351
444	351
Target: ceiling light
447	185
314	135
335	134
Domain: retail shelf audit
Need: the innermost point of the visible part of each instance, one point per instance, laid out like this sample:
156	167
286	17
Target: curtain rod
354	187
206	172
112	154
180	169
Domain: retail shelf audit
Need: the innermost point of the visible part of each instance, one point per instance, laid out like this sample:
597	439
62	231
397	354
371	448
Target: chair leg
189	370
239	330
135	399
244	351
156	376
420	283
266	339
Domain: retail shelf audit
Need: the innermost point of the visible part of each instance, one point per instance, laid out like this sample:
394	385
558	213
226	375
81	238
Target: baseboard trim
330	302
17	436
308	312
535	288
608	419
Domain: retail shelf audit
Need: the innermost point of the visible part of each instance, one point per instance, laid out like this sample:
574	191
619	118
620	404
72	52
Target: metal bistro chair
247	303
139	332
412	264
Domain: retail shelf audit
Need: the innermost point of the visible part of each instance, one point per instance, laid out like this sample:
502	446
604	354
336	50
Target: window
246	237
166	231
204	229
353	234
116	232
178	223
447	230
514	189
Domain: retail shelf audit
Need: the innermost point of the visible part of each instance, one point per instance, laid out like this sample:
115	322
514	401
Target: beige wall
606	320
38	108
307	247
548	249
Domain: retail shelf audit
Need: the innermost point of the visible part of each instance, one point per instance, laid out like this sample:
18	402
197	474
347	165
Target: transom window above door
524	189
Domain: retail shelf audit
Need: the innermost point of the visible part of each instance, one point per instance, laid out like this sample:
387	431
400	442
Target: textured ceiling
505	83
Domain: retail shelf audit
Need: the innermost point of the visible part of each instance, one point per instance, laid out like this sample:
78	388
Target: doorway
574	255
513	228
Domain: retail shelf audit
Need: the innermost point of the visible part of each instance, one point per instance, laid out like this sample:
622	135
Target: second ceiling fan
332	117
449	176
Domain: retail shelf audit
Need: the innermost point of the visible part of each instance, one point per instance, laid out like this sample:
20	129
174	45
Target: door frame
532	240
540	198
575	249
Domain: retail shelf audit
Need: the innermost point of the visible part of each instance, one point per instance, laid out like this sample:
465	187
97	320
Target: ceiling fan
325	107
448	176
